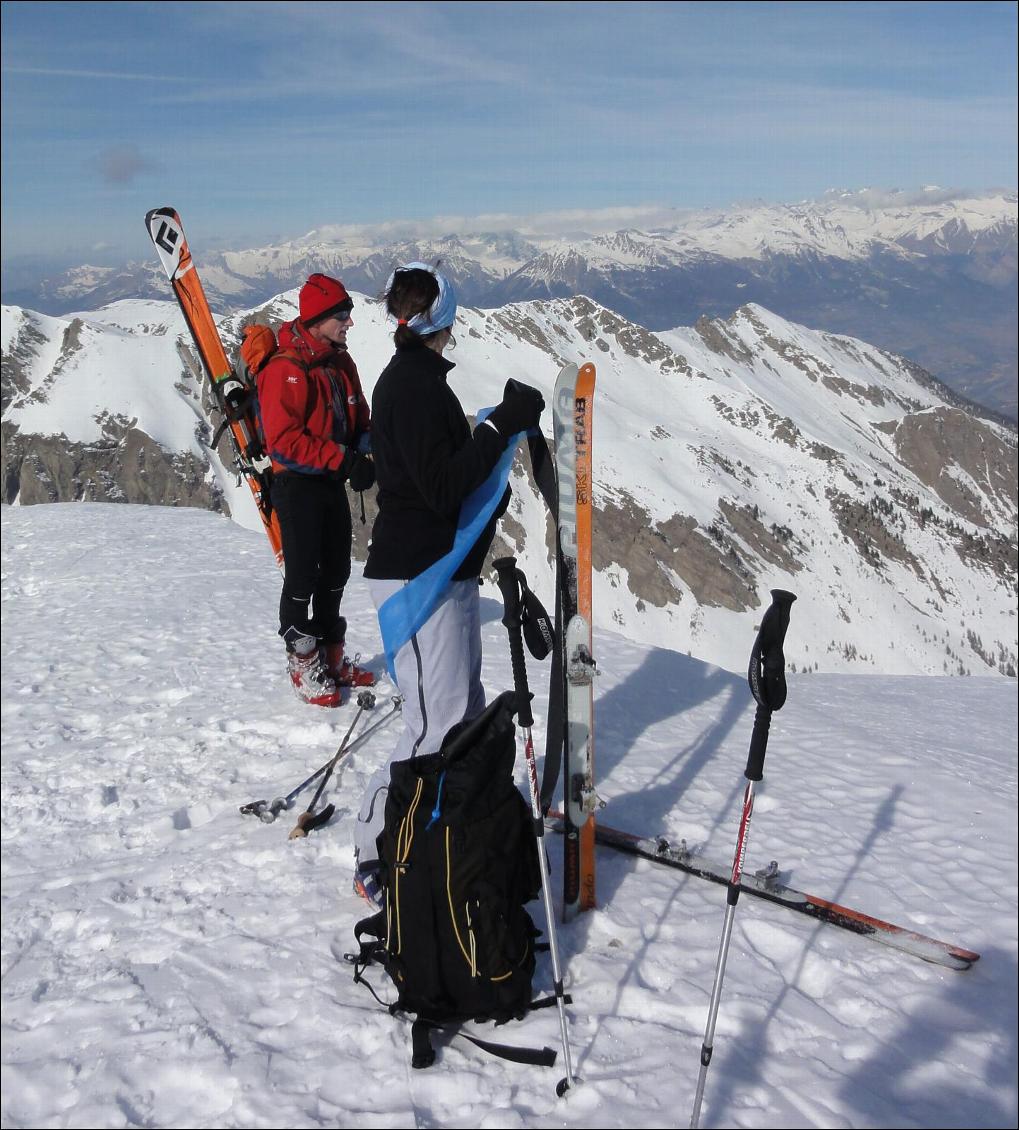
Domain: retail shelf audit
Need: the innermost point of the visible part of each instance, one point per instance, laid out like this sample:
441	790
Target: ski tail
234	398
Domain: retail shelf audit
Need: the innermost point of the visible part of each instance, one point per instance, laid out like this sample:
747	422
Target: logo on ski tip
580	443
580	423
167	238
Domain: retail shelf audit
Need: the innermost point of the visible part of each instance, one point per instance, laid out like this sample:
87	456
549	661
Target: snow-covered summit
169	962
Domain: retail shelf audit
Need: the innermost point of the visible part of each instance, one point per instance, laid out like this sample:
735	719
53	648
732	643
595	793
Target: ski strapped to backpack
258	347
234	396
458	863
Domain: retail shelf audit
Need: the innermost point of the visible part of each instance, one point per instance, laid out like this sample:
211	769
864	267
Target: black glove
361	475
519	410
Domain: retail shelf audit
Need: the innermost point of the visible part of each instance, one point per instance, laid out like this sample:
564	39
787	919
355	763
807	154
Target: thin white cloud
565	223
63	72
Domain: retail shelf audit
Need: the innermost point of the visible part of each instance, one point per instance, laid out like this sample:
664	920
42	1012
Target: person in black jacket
427	462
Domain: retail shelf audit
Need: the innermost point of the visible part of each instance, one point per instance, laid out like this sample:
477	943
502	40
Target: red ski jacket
312	410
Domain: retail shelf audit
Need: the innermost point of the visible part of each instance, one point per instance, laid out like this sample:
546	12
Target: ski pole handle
767	661
758	745
506	575
506	578
767	677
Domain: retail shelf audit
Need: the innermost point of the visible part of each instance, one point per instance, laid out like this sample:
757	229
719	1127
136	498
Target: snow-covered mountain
731	457
238	279
931	276
935	283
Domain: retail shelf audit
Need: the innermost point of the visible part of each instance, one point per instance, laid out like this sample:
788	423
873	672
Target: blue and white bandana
442	312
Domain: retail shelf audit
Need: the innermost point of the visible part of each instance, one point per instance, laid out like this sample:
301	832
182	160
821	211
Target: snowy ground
167	962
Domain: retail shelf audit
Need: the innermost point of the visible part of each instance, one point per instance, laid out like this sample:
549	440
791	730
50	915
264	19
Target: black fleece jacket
427	462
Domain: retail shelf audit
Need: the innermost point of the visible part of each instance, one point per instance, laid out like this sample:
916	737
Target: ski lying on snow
766	885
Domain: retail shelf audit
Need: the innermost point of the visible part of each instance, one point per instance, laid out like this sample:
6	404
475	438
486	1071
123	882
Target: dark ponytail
412	292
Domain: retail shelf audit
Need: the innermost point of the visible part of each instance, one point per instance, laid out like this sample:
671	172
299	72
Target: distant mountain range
737	455
933	280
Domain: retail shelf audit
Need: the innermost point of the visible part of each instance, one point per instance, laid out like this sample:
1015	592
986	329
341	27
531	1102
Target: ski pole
767	684
309	819
509	578
267	811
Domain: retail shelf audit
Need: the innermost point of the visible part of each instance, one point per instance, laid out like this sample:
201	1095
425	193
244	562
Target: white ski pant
438	672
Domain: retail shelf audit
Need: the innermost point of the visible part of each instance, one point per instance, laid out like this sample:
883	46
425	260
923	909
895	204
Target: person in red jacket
316	425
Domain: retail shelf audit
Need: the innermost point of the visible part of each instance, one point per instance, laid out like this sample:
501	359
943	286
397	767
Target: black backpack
458	862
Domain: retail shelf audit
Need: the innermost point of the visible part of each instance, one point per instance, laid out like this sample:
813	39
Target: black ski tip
320	818
164	211
309	821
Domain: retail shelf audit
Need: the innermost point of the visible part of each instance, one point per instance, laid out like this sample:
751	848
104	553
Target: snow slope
167	962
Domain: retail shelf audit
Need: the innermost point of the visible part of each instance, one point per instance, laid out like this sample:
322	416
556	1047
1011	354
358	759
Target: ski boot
311	680
343	671
367	883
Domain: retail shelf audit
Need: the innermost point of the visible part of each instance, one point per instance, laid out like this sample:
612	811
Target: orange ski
582	425
572	417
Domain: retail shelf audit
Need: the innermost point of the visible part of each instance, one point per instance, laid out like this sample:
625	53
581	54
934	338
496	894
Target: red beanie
321	297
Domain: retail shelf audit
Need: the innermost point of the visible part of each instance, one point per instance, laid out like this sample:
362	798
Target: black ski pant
314	517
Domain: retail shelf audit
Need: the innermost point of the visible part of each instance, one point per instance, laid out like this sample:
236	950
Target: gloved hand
362	473
520	409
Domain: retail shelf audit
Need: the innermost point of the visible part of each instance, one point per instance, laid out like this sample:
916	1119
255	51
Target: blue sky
264	120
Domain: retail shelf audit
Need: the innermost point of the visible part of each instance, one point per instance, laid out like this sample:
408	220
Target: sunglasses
344	315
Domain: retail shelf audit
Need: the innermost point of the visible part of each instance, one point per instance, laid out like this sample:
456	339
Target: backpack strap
238	409
549	1002
290	355
299	361
370	953
246	404
423	1055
